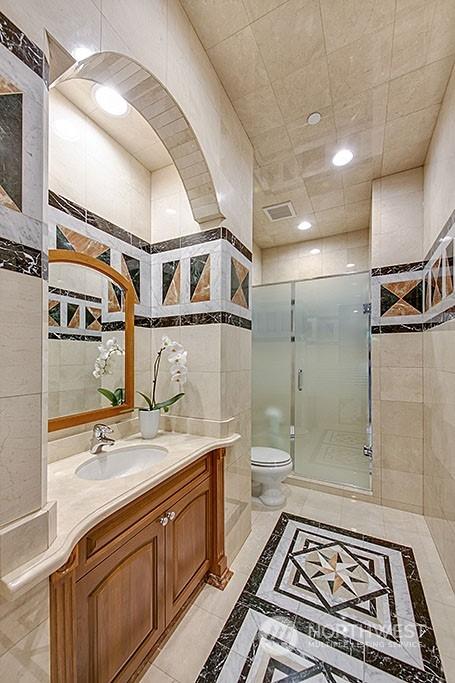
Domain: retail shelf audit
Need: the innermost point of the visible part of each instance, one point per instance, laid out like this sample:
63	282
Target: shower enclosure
311	376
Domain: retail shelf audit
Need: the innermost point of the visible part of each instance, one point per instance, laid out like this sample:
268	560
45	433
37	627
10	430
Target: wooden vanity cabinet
129	579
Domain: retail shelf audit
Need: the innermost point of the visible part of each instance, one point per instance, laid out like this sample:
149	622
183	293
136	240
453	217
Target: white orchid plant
177	358
104	366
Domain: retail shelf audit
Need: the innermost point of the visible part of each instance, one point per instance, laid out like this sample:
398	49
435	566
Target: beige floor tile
205	619
194	636
155	675
220	603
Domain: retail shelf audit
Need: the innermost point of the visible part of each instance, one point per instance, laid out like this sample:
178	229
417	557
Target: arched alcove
158	107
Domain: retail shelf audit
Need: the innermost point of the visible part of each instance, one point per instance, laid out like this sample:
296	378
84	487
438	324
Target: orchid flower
177	357
107	352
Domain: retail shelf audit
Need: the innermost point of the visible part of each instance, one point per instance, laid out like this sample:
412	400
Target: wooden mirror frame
66	256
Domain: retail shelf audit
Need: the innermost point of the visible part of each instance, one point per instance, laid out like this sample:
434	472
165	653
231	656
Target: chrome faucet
100	438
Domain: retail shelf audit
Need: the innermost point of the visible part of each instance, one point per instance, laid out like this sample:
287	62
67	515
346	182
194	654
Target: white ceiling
131	131
376	70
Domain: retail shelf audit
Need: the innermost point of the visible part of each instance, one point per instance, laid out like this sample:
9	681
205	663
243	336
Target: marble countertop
82	504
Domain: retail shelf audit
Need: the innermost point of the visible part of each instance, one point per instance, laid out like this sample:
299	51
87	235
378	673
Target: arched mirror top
90	340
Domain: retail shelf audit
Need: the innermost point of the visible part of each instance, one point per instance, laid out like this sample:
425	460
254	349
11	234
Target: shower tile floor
338	609
331	455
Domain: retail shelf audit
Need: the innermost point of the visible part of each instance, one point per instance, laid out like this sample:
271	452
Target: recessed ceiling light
315	251
65	129
304	225
350	265
355	310
342	157
110	101
314	118
79	53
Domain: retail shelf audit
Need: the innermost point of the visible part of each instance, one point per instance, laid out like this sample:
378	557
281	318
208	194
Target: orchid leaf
170	401
147	400
112	397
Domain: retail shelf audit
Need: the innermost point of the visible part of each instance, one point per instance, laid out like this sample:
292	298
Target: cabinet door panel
187	547
121	607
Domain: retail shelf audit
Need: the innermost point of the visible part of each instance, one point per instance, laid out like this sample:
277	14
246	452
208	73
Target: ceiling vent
276	212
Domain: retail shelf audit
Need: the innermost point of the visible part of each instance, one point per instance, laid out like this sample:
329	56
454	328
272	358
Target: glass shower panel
332	379
271	366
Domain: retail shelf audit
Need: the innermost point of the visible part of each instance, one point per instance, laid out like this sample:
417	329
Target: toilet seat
263	456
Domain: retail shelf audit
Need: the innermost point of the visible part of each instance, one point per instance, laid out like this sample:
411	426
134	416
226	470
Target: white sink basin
121	462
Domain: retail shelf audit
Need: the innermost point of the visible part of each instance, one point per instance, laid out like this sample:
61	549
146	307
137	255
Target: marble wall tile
20	462
401	418
295	261
20	314
401	384
403	490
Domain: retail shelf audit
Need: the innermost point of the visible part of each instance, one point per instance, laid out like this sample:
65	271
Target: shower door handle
299	379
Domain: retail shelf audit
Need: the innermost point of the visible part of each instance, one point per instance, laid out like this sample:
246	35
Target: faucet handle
100	430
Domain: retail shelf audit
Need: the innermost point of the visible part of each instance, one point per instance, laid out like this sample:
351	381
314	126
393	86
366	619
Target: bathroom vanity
131	576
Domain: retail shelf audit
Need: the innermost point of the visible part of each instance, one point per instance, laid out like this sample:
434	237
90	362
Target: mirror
90	340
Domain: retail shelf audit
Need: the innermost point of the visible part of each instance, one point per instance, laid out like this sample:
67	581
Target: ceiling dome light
350	265
79	53
304	225
315	251
110	101
314	118
342	157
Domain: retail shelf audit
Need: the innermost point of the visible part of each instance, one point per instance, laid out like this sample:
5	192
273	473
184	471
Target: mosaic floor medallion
324	604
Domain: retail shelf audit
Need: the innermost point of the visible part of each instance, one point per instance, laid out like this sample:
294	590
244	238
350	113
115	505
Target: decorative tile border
213	234
23	48
183	281
414	297
22	259
74	315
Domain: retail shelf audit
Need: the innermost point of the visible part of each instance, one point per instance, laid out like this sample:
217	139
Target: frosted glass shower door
331	418
271	366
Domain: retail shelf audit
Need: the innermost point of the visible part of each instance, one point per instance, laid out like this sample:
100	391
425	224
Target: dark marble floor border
432	673
212	234
23	48
22	259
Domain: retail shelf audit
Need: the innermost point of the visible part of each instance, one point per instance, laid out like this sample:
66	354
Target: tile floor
183	656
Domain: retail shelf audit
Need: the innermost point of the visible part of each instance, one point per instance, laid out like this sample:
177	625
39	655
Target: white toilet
270	467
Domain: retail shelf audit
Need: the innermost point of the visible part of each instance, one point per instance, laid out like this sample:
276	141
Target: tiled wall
397	374
316	258
439	339
91	169
171	211
256	275
26	522
160	37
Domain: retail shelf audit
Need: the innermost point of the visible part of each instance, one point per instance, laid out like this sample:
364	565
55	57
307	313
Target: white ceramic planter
149	421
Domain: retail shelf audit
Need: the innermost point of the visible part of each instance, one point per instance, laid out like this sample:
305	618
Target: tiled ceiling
376	70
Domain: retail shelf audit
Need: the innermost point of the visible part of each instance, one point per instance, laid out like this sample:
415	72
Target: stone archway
154	102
